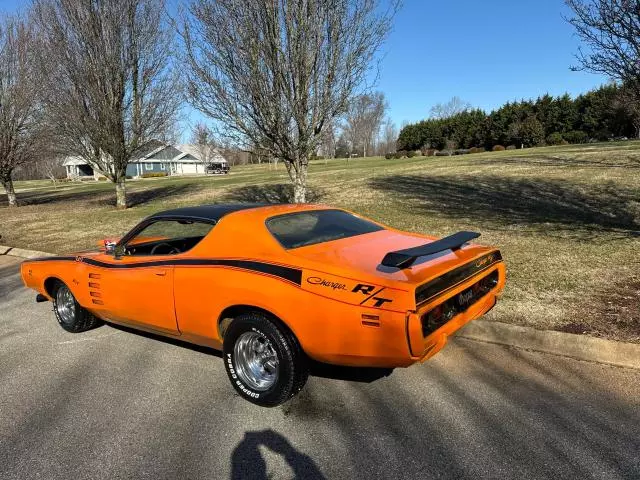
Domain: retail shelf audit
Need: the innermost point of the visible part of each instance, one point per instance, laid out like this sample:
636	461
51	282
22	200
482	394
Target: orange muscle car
274	285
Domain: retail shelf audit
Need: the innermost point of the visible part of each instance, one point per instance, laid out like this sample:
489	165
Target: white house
158	159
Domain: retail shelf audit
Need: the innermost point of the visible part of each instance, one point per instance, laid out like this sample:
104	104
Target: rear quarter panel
326	319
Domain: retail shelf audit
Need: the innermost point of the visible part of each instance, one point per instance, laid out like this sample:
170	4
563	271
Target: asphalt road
114	404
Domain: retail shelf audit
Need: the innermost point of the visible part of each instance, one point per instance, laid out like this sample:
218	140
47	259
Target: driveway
115	404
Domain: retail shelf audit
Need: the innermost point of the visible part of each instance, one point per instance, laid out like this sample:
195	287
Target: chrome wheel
65	304
256	361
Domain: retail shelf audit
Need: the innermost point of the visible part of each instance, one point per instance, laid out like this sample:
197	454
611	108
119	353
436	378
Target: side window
167	237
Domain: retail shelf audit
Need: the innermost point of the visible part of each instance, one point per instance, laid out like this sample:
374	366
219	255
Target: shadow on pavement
247	462
316	369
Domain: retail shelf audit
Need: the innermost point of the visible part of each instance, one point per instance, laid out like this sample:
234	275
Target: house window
148	166
162	166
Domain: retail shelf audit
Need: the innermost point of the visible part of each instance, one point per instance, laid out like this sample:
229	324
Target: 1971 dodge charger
274	285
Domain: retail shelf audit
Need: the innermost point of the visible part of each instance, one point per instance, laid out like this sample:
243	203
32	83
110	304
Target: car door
137	282
136	291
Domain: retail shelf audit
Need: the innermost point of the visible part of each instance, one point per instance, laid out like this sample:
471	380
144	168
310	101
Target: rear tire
264	361
70	315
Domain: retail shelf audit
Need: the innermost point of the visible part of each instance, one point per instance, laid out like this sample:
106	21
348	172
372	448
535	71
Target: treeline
600	114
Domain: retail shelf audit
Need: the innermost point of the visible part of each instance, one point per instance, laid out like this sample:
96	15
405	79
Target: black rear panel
450	279
457	304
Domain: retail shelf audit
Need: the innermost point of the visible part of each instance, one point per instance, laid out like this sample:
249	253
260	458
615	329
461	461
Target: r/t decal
371	297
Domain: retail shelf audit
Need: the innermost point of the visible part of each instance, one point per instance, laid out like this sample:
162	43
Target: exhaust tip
41	298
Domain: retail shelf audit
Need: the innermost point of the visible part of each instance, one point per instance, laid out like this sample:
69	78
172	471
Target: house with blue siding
160	159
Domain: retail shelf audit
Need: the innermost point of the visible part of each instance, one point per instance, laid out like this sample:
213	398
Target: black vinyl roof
206	212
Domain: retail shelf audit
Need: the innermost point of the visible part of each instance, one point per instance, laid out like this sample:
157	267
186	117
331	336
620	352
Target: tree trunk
298	174
121	194
7	183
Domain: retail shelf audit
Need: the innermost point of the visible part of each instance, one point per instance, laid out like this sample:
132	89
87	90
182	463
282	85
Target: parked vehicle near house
274	285
217	168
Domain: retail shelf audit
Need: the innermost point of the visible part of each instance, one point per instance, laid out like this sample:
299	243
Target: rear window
295	230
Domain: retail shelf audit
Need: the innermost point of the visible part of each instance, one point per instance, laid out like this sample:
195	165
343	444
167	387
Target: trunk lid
362	254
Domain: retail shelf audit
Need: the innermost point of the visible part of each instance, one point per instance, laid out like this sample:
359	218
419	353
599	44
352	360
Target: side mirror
109	246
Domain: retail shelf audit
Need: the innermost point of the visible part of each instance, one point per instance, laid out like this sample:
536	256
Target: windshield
295	230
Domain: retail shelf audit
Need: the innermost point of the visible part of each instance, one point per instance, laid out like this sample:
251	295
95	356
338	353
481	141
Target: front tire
70	315
264	361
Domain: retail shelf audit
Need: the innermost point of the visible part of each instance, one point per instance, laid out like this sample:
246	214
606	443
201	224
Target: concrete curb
21	252
581	347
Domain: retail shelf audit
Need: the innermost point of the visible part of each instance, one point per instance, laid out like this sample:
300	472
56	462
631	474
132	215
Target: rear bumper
422	348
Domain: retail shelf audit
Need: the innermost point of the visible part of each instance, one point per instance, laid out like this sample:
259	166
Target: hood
361	255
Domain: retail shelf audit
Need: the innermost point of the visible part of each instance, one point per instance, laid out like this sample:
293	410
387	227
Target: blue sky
485	52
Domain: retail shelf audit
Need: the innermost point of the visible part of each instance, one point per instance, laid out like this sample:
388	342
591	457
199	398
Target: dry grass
567	219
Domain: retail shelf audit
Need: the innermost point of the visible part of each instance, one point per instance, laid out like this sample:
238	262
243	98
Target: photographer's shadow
247	462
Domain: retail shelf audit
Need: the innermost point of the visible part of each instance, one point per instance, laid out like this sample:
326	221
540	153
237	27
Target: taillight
442	313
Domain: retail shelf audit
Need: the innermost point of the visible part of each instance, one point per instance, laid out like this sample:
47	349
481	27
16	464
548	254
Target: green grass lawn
567	219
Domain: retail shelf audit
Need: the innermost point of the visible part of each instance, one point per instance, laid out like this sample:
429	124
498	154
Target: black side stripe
293	275
51	259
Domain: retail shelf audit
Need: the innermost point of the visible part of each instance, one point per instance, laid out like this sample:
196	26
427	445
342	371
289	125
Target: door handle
161	273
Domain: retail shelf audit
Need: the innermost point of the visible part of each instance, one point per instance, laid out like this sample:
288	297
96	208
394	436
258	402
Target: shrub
411	154
461	151
102	179
476	150
564	142
603	134
443	153
554	139
128	177
498	148
154	174
388	155
402	153
511	147
430	152
397	155
576	136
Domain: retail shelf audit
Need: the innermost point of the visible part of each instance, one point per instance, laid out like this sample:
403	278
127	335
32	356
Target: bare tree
21	126
274	74
50	166
627	100
611	31
203	139
452	107
328	142
363	120
110	89
389	136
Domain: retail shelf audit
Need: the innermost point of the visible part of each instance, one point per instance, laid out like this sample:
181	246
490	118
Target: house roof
185	153
74	161
194	151
162	153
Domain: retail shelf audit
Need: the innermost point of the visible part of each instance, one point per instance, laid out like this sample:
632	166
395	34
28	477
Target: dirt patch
612	313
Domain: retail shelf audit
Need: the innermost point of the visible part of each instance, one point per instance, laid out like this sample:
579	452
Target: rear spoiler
405	258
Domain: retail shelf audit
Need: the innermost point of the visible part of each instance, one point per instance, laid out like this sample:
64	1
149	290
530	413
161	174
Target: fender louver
405	258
